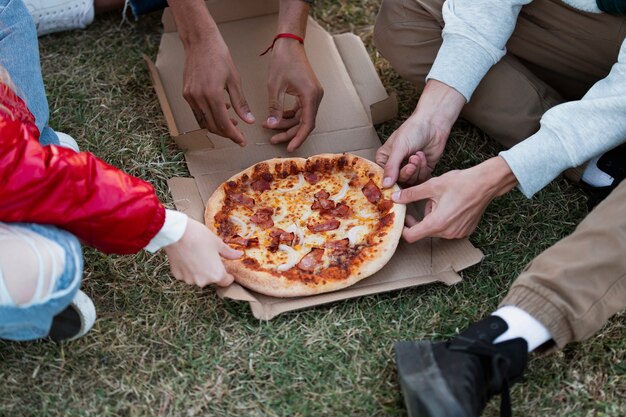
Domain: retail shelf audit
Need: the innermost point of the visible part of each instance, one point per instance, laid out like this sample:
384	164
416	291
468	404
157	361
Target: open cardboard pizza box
354	100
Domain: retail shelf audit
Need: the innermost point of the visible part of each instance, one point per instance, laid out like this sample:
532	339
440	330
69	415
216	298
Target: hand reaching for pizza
456	200
290	73
209	70
420	141
195	258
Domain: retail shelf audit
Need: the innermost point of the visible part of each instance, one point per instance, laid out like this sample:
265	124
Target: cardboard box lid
340	62
354	100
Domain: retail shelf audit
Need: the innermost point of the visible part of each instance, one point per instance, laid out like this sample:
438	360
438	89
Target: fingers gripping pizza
306	226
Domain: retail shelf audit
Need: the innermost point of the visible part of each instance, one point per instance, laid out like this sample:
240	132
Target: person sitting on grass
209	67
568	292
52	197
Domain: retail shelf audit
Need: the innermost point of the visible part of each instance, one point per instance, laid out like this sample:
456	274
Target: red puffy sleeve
104	207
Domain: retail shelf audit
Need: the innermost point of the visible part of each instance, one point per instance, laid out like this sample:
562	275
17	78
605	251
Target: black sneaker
75	321
456	378
613	163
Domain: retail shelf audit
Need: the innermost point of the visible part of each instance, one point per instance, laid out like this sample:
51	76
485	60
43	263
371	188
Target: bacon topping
324	226
338	244
385	205
242	199
311	260
263	218
280	236
341	210
261	185
322	201
311	177
372	192
242	241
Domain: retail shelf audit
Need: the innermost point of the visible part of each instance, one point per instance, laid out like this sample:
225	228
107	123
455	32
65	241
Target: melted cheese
294	196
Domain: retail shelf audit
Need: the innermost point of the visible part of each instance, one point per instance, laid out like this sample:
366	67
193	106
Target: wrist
439	106
498	178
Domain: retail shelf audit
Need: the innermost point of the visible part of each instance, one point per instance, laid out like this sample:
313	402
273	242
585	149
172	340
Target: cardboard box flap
186	197
378	104
223	11
454	255
266	308
211	161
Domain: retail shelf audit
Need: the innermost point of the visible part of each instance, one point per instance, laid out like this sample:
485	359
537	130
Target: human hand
420	141
290	73
209	70
195	258
456	200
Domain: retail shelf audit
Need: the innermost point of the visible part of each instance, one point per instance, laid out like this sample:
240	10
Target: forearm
573	132
439	106
292	17
193	21
474	39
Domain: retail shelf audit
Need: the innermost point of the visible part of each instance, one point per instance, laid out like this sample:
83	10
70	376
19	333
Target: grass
160	348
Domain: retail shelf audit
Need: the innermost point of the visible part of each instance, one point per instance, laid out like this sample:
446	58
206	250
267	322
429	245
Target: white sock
594	176
521	324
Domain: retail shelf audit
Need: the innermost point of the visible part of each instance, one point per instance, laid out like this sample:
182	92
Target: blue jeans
19	56
32	321
139	7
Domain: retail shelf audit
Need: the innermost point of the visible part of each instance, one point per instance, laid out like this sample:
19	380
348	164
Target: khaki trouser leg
577	284
569	49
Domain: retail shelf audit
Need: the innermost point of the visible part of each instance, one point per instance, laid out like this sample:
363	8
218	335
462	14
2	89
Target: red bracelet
283	35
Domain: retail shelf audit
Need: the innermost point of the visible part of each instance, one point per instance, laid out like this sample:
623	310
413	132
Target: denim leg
19	55
33	320
140	7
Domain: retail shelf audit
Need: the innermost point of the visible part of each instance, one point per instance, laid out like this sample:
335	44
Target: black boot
456	378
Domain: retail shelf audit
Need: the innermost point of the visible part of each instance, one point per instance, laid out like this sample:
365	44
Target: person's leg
565	294
507	104
554	52
19	55
40	275
576	285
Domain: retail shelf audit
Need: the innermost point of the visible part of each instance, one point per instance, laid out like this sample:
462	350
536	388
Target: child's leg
40	273
19	56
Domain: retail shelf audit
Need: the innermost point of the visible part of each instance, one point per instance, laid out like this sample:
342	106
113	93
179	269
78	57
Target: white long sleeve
172	230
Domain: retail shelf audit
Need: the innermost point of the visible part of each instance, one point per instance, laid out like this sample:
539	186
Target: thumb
392	166
229	253
275	110
416	193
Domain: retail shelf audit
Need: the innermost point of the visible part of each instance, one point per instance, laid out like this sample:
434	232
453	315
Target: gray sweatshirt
474	39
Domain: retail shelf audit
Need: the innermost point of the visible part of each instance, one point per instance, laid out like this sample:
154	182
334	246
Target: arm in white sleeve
573	132
171	232
474	39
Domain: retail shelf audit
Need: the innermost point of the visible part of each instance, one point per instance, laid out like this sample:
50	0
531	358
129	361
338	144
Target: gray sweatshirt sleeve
474	39
573	132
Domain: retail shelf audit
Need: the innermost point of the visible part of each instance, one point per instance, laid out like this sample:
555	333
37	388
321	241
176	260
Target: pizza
306	226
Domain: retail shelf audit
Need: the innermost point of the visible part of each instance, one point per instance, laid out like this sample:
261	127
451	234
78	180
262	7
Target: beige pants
577	284
555	54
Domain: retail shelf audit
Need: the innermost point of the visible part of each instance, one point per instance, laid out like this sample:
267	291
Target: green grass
160	348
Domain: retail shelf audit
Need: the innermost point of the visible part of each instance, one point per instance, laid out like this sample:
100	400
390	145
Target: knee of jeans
30	268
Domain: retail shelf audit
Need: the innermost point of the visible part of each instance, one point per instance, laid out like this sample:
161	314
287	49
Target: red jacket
101	205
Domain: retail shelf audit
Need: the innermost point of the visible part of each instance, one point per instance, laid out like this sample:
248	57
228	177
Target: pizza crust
269	283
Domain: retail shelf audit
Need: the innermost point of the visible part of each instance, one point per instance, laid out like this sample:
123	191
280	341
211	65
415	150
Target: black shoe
456	378
613	163
75	321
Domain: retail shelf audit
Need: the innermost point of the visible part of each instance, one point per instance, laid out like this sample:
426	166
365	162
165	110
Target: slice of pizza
306	226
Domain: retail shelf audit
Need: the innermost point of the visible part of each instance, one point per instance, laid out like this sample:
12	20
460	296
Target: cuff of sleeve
461	63
171	231
533	161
